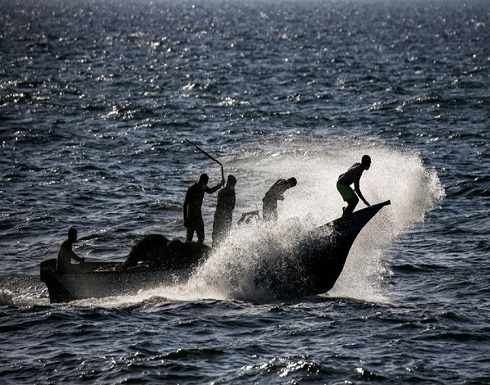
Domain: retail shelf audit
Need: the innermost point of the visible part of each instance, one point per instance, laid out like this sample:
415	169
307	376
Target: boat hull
98	280
317	261
312	268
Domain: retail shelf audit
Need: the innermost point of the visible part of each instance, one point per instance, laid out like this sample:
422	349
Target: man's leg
269	212
265	211
190	233
351	205
349	196
200	231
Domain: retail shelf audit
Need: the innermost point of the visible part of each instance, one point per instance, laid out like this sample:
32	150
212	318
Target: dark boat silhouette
315	264
312	268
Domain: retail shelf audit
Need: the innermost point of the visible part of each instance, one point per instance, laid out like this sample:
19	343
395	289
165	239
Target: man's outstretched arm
359	193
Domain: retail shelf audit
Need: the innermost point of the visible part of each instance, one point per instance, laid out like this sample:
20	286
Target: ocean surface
97	99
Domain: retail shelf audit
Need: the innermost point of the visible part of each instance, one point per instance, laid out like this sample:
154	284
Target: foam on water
6	297
395	174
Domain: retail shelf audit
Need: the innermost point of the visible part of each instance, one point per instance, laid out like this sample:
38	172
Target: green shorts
347	193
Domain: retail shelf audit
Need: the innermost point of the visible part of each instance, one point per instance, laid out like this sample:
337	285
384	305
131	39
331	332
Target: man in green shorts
353	175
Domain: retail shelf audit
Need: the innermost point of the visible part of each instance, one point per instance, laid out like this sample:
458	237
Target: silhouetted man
192	207
353	176
275	193
66	254
224	211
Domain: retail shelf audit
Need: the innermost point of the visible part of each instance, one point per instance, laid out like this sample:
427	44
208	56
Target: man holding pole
192	207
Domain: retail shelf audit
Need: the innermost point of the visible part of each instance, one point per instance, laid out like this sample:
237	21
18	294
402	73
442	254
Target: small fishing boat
312	268
152	262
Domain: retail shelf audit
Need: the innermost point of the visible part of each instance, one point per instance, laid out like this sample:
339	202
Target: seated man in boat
192	207
353	176
275	193
224	211
66	254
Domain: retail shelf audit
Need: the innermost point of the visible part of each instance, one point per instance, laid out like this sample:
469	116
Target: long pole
209	156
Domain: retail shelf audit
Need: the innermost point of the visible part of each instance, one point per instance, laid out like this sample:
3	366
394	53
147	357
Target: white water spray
396	175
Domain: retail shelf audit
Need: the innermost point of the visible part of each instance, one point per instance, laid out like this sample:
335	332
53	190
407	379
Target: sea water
97	99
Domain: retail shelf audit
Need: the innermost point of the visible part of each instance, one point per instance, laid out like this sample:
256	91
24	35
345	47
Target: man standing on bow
353	176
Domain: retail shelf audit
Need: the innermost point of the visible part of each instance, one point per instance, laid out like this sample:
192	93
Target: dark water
96	101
